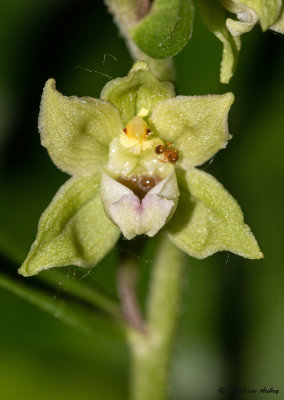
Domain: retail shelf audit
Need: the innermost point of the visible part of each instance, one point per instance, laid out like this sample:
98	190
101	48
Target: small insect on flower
170	153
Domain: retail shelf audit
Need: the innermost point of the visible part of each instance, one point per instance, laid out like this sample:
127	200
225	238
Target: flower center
135	136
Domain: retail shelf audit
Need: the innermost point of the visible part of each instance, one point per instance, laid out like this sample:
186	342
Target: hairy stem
151	351
126	14
127	280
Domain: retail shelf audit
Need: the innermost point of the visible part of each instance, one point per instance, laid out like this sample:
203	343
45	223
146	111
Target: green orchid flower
132	156
229	19
249	12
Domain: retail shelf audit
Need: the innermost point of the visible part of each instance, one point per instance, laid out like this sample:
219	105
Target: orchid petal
138	90
73	230
76	131
208	219
196	125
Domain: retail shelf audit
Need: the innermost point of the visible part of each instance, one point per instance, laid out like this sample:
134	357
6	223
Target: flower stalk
127	277
151	351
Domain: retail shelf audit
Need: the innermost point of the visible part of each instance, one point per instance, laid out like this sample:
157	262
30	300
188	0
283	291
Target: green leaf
208	219
267	10
76	131
196	125
91	294
166	29
73	230
214	17
68	311
139	89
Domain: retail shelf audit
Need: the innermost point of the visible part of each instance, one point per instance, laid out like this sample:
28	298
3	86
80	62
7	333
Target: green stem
151	351
126	15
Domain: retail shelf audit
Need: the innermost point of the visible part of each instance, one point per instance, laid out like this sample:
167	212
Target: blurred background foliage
232	326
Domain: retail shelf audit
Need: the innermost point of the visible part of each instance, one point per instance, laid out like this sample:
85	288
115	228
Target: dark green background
231	331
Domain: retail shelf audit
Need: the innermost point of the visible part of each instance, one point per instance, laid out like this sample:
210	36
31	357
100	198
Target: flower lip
136	216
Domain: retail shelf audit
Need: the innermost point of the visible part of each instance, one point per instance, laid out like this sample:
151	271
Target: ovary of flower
135	136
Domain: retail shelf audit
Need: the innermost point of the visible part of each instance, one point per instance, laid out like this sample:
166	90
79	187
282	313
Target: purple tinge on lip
135	216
